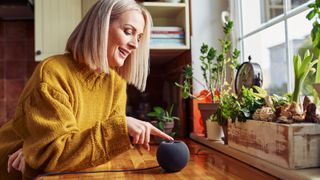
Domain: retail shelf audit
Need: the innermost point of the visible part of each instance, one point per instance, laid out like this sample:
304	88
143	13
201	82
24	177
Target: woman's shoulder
50	71
55	66
57	62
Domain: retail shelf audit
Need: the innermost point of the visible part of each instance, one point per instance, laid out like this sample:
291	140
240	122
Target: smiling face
124	36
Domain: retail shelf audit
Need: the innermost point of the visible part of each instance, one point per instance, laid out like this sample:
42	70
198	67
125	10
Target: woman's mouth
123	52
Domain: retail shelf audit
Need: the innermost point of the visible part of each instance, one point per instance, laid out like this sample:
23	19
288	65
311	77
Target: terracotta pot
206	110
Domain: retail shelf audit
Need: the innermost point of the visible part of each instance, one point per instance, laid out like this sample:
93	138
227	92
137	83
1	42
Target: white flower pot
214	130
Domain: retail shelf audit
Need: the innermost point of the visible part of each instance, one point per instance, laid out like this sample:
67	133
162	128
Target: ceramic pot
168	126
206	110
214	130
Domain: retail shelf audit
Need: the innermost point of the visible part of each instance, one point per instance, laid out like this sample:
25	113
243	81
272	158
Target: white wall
206	27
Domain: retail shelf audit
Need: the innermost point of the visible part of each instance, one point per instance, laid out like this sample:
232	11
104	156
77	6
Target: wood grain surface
204	163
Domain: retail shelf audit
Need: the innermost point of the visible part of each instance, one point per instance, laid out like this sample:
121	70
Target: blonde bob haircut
88	43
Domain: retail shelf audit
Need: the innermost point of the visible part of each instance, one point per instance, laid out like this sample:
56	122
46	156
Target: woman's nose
134	43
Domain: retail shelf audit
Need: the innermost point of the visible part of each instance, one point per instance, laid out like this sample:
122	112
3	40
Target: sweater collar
90	78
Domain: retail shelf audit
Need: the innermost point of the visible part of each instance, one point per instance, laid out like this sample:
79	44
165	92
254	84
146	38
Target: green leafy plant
240	109
163	116
315	37
251	100
302	67
281	100
228	108
315	13
213	66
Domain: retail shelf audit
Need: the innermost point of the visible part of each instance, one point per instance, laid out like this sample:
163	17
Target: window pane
273	8
269	50
251	15
295	3
257	12
300	42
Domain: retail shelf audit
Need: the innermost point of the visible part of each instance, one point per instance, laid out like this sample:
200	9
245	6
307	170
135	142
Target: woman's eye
128	32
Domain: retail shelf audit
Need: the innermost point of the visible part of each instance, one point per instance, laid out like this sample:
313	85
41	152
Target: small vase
206	110
168	126
214	130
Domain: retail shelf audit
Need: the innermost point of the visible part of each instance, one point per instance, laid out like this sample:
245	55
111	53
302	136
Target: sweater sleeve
52	140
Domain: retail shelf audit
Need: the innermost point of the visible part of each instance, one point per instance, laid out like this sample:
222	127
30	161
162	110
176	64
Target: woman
71	114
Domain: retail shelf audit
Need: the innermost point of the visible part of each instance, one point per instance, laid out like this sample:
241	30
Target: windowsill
282	173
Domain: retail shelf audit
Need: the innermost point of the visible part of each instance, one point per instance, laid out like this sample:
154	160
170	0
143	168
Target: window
271	9
271	32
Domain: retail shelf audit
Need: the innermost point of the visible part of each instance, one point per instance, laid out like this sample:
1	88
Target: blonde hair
88	43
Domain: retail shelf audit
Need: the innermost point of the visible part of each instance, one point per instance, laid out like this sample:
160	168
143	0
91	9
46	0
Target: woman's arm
139	130
52	140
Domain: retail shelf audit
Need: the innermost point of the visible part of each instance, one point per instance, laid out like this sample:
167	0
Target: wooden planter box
293	146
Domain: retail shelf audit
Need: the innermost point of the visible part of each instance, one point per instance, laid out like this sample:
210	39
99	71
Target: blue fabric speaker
173	155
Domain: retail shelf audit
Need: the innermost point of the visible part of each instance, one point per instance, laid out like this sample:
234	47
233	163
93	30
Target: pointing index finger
157	132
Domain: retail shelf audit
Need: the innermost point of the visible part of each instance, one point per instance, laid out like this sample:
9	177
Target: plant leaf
305	64
152	114
317	80
158	109
170	110
172	134
310	15
161	125
296	65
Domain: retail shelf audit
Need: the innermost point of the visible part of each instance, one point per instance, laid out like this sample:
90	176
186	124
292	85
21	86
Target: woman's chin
117	63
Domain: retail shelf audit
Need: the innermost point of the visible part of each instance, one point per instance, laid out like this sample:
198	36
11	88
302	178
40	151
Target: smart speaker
173	155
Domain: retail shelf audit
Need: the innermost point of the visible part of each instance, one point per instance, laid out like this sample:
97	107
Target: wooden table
204	163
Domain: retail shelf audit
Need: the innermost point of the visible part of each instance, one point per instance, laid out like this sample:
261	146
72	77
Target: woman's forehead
133	18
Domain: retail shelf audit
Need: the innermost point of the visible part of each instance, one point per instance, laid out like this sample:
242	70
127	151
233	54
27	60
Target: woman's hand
141	131
16	161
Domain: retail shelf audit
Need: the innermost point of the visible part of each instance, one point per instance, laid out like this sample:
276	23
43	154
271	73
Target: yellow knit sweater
68	118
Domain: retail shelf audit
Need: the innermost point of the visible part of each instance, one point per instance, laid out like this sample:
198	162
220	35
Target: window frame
239	35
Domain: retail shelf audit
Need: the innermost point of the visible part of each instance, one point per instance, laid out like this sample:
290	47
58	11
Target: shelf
167	15
169	47
282	173
162	4
170	14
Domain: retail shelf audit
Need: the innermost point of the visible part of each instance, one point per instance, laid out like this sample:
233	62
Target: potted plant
302	67
214	130
163	119
214	67
315	37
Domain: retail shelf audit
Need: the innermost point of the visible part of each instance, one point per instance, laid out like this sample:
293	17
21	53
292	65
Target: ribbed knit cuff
116	137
